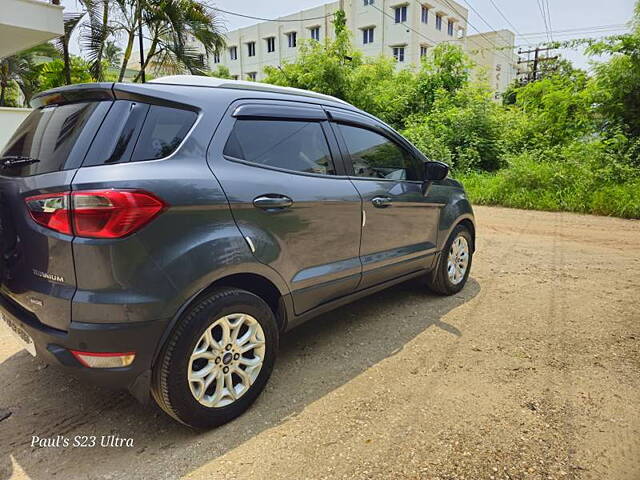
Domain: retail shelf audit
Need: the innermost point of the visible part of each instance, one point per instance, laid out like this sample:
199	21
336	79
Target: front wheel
452	271
218	359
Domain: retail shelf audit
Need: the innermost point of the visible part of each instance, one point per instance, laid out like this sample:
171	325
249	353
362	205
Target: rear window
135	131
48	140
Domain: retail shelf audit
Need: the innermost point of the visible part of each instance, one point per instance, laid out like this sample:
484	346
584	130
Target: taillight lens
95	213
51	211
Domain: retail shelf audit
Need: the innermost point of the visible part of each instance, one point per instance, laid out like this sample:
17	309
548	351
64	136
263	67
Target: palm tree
95	34
71	21
112	53
171	25
176	26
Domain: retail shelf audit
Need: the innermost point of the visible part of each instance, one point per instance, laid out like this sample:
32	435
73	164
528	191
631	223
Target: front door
400	224
293	204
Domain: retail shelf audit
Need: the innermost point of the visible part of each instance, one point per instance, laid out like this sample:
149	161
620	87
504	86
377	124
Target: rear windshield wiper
16	160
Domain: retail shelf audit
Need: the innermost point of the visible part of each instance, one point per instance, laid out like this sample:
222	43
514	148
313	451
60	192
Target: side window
375	156
293	145
164	129
134	131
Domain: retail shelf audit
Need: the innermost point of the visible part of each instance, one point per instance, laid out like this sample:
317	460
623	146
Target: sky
525	15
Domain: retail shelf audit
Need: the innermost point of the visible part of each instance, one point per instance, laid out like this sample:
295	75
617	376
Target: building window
315	33
216	57
424	14
271	44
251	49
423	51
292	39
234	77
398	53
252	76
368	2
367	35
450	28
439	22
401	14
233	53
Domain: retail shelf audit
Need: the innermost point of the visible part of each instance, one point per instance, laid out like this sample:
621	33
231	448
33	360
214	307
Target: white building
27	23
405	29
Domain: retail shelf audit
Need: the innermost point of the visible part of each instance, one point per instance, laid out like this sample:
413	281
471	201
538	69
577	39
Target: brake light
95	213
51	211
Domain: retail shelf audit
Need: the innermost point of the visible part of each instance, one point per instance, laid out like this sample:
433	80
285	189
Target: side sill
326	307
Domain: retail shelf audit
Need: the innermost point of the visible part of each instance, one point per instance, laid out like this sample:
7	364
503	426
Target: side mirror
433	171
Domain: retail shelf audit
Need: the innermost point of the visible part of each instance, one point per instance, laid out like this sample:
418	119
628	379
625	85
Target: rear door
400	224
279	165
36	263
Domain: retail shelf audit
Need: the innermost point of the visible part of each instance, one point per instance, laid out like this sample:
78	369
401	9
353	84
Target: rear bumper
53	346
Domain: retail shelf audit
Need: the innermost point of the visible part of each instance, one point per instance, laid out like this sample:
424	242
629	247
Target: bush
579	178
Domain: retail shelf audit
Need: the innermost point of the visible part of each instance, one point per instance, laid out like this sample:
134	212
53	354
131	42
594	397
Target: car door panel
399	234
312	240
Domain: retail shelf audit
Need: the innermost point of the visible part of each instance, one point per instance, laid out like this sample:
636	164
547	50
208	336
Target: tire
439	280
173	386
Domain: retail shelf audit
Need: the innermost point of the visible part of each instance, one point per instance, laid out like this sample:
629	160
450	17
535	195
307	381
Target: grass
534	185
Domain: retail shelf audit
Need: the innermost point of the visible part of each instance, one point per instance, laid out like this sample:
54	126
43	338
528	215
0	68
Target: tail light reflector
104	360
95	213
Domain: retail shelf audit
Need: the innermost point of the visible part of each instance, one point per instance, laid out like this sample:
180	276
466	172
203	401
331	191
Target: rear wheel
218	360
454	264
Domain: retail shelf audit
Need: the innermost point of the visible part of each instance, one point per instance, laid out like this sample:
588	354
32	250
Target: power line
544	18
403	23
504	16
479	32
549	16
271	19
481	18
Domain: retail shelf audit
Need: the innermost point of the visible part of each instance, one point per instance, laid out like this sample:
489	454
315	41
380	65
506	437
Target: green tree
54	73
325	67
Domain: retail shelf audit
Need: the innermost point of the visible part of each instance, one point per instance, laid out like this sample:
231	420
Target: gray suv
161	237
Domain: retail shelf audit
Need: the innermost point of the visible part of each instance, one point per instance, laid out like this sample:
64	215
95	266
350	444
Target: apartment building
404	29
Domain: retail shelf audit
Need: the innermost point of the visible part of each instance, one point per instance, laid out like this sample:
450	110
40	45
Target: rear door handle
268	202
381	202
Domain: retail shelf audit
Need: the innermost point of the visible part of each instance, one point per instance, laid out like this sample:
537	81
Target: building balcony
26	23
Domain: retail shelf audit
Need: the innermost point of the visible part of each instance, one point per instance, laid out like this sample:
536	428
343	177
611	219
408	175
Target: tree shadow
314	359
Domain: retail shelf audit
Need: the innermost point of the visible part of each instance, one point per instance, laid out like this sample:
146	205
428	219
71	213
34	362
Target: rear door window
51	139
291	145
135	131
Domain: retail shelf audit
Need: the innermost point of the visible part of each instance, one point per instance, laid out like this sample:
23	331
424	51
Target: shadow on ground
314	359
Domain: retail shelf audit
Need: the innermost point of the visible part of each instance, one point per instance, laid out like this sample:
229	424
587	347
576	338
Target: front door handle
268	202
381	202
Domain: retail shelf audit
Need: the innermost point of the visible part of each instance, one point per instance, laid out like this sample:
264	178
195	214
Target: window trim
353	119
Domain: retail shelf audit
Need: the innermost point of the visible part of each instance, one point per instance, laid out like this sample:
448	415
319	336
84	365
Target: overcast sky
524	15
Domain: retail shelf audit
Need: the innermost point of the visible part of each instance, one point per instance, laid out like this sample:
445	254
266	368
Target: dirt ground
531	372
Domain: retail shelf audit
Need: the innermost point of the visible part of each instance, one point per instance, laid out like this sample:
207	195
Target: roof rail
201	81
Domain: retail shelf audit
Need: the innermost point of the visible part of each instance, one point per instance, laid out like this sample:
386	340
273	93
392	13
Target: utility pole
533	75
142	76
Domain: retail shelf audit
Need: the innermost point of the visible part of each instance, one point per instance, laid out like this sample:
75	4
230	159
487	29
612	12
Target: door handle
268	202
381	202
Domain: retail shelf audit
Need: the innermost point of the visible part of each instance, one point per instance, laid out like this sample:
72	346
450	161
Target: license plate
19	334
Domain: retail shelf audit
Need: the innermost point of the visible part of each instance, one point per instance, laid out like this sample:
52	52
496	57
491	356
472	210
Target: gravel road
531	372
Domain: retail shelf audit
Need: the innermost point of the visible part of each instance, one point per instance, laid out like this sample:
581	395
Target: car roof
201	81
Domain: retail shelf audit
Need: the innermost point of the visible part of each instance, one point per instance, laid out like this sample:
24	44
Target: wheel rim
226	360
458	260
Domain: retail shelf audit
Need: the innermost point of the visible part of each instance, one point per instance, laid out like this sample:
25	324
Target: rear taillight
95	213
51	211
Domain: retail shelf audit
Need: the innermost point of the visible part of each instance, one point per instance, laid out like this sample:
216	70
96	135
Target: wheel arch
271	290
